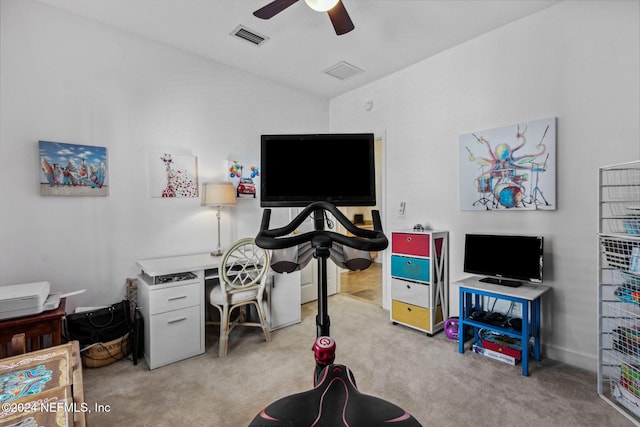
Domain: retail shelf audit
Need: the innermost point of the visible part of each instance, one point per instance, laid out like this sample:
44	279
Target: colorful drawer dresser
420	279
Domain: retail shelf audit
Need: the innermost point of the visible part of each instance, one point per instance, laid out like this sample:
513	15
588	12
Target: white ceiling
389	34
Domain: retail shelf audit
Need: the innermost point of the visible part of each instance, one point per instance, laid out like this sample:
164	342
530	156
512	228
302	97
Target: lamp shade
218	194
321	5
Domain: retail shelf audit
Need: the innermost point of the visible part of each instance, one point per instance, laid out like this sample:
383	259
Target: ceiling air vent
248	35
343	70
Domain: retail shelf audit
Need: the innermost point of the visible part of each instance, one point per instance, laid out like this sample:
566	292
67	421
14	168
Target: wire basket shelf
620	199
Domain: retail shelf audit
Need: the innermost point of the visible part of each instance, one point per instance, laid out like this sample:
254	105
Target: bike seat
334	401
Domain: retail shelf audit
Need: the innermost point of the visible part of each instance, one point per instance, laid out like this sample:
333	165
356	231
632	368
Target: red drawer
410	244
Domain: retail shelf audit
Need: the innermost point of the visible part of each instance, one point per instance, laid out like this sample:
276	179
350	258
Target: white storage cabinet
173	316
619	287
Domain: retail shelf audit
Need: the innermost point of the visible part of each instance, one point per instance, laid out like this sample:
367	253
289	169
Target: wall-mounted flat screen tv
504	259
296	170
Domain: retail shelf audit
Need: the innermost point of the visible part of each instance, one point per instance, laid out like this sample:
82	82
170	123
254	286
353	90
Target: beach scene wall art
73	169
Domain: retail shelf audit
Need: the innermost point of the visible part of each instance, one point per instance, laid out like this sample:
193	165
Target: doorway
366	285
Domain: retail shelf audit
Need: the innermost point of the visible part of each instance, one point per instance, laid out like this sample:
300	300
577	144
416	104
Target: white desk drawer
410	292
175	297
176	335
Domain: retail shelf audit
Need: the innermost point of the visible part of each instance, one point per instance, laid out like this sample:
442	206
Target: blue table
472	291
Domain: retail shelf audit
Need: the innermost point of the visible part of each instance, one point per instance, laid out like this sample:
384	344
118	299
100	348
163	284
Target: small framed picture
173	175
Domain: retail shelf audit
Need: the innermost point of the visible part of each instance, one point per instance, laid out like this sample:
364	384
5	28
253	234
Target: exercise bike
335	399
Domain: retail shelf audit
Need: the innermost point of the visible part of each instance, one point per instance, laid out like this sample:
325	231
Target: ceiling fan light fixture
321	5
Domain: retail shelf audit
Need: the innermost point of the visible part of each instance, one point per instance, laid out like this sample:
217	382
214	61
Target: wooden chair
243	276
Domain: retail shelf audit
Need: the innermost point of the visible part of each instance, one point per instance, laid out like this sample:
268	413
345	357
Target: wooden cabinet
420	279
39	330
44	388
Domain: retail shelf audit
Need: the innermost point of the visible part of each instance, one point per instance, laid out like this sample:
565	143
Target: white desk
178	264
174	311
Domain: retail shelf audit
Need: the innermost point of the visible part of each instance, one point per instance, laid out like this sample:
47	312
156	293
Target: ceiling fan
337	13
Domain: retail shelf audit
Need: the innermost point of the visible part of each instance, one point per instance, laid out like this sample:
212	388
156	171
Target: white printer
23	299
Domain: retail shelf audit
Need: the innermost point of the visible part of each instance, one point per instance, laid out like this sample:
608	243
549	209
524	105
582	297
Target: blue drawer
410	268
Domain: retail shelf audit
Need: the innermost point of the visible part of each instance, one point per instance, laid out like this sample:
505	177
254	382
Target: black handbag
101	325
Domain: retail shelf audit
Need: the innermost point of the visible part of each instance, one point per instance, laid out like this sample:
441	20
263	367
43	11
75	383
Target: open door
309	281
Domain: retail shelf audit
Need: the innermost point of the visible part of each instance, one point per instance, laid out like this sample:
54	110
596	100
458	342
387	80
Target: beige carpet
424	375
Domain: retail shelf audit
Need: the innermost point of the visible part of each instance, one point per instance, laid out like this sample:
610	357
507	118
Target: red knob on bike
324	349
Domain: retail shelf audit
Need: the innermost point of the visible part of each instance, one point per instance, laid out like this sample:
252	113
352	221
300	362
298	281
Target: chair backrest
245	265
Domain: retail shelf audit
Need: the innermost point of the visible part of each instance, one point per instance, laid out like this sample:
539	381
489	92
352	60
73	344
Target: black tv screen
296	170
504	257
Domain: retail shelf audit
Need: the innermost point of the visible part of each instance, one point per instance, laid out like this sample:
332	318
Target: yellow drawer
414	315
410	314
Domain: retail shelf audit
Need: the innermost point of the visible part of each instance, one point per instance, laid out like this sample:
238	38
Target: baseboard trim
573	358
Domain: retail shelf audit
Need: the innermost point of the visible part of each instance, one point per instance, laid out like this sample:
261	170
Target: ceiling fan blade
340	19
273	8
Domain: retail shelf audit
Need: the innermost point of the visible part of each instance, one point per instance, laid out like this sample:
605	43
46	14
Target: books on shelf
478	349
503	344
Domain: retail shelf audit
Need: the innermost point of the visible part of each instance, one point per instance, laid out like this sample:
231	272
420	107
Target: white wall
67	79
577	61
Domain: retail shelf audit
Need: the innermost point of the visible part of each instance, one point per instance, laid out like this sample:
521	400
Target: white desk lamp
218	194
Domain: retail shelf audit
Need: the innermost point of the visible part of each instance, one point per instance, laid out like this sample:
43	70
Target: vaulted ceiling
300	43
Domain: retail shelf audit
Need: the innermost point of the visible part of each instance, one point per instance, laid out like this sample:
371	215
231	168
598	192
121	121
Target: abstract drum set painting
509	168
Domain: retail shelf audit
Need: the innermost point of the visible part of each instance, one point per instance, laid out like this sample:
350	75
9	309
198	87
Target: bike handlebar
366	240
